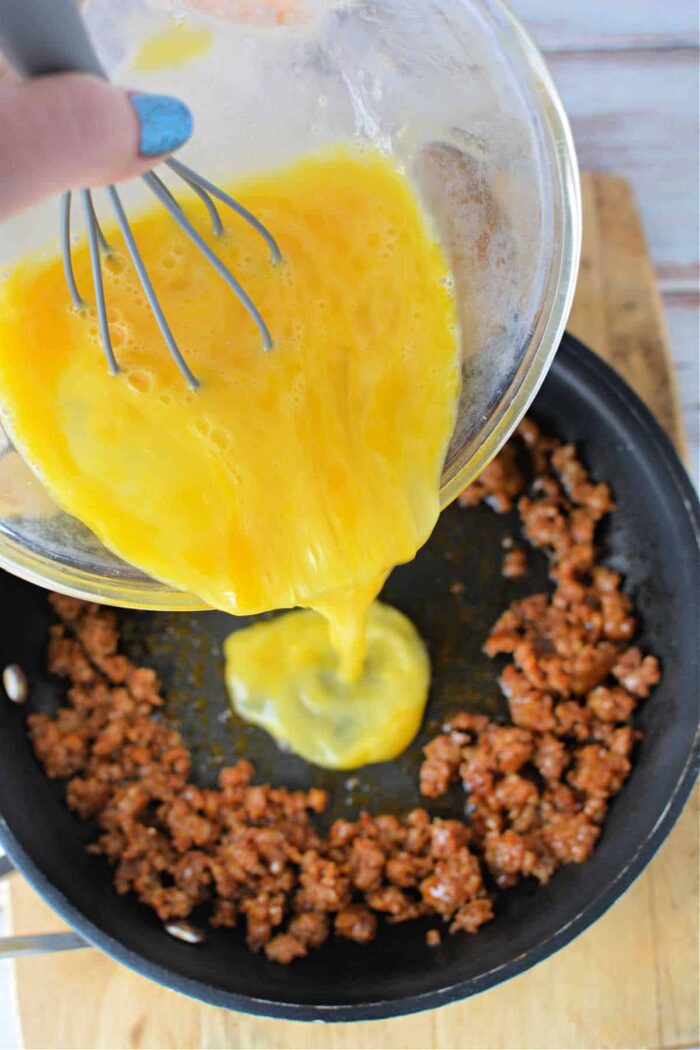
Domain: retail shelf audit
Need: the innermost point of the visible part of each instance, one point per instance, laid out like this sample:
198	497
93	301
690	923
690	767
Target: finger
72	130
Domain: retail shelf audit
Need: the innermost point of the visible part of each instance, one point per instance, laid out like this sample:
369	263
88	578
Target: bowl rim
139	591
532	373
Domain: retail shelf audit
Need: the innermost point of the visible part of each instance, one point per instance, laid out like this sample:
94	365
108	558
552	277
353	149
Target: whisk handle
46	36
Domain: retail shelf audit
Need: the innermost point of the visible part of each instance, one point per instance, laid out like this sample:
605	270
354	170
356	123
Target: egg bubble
140	381
119	335
220	439
116	264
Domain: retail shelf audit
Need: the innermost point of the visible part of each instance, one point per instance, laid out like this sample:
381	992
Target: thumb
72	130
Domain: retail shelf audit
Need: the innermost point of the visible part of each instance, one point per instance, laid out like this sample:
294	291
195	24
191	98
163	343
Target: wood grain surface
630	981
617	309
635	114
682	312
629	77
610	25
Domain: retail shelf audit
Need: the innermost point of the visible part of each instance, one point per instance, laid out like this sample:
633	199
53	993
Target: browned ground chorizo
537	790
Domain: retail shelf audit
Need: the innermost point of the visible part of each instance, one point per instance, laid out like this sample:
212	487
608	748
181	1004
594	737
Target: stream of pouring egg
294	478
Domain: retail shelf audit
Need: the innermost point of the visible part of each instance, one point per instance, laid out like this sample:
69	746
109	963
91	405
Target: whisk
49	36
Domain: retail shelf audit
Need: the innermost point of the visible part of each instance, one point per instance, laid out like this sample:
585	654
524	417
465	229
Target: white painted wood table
628	74
627	71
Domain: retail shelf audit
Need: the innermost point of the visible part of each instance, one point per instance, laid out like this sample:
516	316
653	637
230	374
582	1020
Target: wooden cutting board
630	981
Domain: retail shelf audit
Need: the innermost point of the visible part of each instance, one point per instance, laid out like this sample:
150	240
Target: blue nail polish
165	123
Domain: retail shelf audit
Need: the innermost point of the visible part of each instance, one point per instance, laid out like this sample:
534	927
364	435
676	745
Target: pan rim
575	356
381	1009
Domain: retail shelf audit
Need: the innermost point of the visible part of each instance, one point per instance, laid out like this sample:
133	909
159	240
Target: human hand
71	130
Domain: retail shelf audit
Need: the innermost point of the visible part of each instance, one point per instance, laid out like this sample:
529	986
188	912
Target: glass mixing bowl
455	91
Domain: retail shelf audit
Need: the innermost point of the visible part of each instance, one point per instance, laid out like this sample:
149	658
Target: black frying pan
652	540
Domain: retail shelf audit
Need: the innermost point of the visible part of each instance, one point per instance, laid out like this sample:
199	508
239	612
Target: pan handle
39	944
35	943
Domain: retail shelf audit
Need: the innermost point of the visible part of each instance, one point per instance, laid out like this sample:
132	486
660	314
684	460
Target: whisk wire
101	239
93	245
97	243
216	223
142	272
50	36
165	198
190	176
75	295
166	190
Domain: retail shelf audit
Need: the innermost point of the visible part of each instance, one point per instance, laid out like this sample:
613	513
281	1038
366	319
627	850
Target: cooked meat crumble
537	789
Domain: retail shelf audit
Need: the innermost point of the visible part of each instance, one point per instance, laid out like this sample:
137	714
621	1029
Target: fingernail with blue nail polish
165	123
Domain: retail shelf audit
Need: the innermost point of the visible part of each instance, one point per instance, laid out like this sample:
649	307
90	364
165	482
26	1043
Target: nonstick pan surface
652	539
